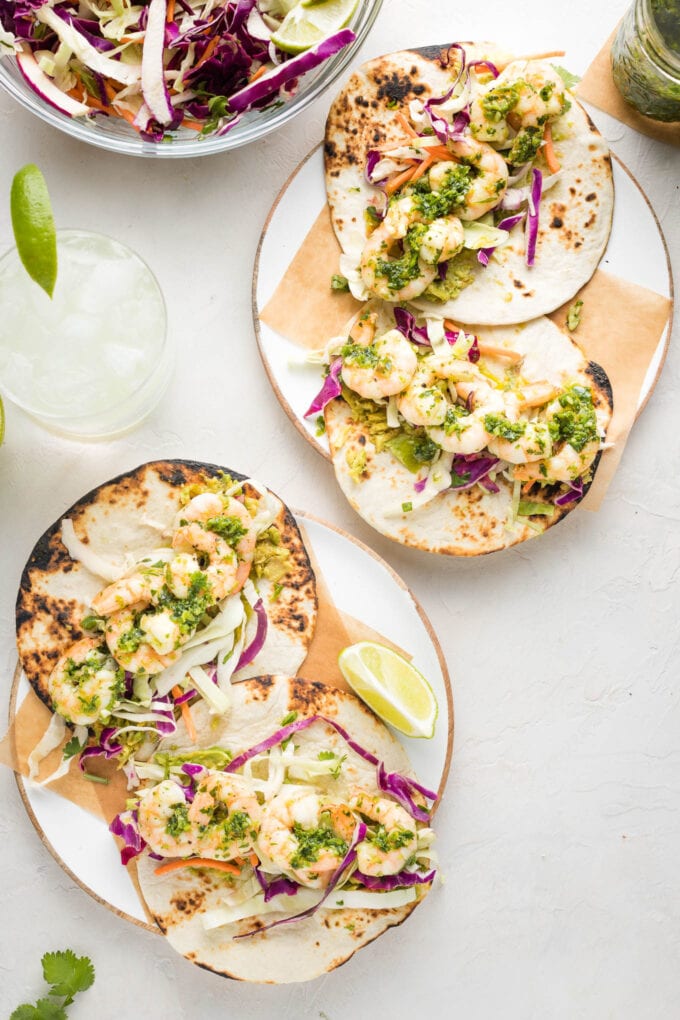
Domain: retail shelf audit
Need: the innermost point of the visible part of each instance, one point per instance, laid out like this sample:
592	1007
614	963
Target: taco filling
461	413
305	822
177	622
451	175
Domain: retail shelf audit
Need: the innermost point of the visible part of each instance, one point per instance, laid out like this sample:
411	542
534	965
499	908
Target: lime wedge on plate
308	23
33	226
391	686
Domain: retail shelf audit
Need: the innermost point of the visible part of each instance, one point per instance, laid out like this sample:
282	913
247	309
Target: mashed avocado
459	275
271	559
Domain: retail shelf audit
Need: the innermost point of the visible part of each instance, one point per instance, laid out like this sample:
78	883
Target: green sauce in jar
646	58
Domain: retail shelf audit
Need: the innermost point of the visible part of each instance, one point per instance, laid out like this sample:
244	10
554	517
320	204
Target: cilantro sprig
66	974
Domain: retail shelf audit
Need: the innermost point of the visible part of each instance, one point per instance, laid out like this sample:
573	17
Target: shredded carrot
398	182
504	353
198	862
254	860
207	52
258	74
548	151
422	168
403	122
439	152
193	124
170	14
186	714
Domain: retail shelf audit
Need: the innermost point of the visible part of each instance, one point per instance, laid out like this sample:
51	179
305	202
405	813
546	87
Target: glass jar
646	58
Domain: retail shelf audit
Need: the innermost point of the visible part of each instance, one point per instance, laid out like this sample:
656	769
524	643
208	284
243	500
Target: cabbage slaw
261	886
198	65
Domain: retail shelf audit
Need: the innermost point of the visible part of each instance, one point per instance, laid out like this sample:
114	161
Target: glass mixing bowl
117	136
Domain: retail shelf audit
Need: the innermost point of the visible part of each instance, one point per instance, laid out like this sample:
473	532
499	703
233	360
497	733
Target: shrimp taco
461	443
293	836
152	593
481	194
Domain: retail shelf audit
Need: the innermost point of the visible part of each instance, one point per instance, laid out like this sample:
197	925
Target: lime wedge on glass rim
391	686
308	23
33	224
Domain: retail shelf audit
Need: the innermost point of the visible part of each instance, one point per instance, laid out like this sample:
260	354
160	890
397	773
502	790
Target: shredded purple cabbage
255	646
105	747
386	883
399	786
280	886
406	324
485	63
484	254
189	769
284	73
420	484
442	269
349	858
331	389
532	218
126	827
573	493
472	468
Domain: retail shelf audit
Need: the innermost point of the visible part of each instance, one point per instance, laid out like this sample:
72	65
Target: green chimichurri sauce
646	58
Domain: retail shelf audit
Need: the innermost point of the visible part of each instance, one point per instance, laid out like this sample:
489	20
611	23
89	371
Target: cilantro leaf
67	973
567	77
44	1009
72	747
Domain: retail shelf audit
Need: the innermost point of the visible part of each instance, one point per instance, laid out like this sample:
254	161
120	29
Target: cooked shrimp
220	529
161	632
179	573
565	466
134	590
574	427
382	368
521	442
542	95
306	835
225	816
363	330
127	644
422	402
85	683
385	851
443	239
380	266
487	188
526	95
460	432
163	820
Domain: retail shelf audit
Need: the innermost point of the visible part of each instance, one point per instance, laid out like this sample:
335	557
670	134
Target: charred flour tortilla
127	516
462	521
575	213
312	946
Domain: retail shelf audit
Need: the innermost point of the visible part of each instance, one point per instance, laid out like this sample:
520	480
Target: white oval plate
81	843
636	252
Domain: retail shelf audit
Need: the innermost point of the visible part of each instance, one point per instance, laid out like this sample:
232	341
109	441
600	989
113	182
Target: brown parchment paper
597	87
621	327
335	630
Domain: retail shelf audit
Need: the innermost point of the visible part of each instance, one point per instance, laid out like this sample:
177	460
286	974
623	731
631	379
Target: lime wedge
33	226
308	23
391	686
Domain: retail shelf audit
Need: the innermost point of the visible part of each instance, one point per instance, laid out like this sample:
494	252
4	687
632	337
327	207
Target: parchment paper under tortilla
310	947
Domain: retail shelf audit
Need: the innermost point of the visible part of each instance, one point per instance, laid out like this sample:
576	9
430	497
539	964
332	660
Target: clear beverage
93	361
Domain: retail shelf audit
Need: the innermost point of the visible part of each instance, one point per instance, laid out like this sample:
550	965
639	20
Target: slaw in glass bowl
116	135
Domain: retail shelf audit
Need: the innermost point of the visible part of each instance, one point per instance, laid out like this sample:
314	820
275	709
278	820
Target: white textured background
560	831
